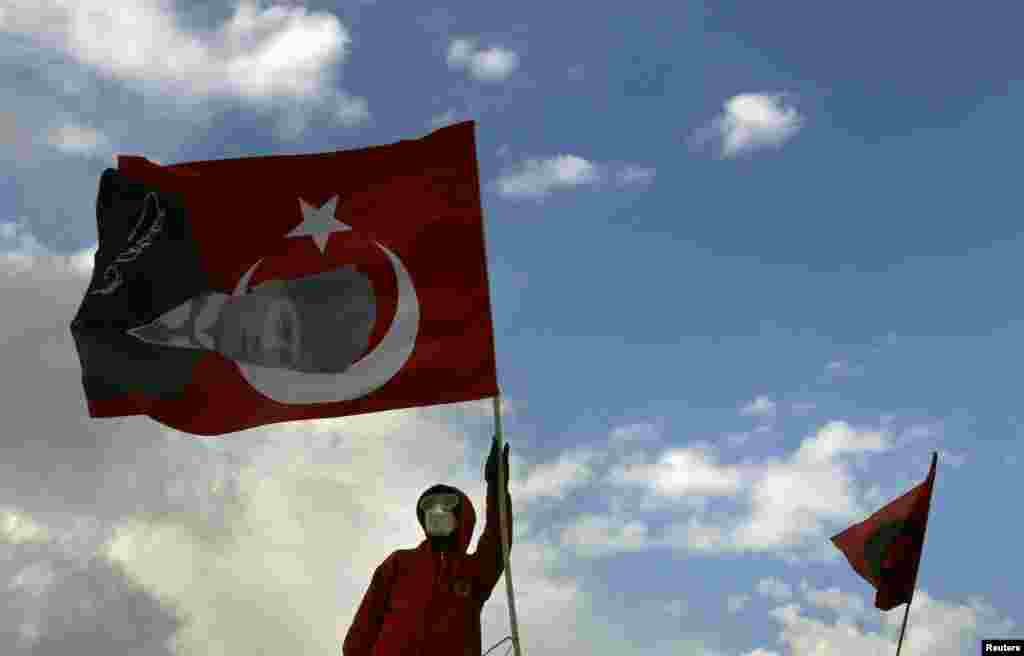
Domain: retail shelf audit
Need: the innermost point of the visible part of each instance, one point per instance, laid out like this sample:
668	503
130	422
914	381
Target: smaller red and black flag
886	547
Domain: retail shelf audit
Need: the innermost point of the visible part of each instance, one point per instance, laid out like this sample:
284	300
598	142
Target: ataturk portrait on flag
317	323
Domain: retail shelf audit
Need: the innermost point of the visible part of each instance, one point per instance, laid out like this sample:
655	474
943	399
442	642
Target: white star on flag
319	223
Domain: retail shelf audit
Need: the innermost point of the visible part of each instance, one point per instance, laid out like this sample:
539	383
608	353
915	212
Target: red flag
886	547
230	294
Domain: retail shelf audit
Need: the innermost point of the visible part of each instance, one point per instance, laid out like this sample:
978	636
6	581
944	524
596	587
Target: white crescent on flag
364	376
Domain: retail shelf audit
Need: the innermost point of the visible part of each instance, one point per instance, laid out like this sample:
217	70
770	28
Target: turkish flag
885	549
235	293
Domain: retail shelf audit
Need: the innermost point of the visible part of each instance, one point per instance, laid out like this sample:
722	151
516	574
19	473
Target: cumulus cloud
837	438
592	535
486	65
750	122
58	605
555	479
938	627
681	472
847	606
774	512
72	139
537	179
282	54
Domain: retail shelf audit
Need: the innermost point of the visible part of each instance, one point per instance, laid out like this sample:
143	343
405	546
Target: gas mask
439	513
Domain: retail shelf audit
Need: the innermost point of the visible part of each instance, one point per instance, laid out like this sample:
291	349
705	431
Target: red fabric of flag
236	293
885	549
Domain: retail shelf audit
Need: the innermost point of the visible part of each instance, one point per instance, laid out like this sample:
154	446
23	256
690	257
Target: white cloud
282	54
73	139
681	472
21	252
536	178
576	73
17	528
572	469
592	535
752	121
539	178
936	627
490	65
775	588
483	410
847	606
837	438
762	406
774	513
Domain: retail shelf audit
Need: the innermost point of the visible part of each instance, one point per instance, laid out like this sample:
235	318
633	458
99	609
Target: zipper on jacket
433	595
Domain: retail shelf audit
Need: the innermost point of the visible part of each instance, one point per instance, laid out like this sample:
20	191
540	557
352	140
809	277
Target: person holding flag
236	293
427	601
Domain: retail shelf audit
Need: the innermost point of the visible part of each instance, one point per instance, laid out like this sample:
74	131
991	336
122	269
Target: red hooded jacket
426	603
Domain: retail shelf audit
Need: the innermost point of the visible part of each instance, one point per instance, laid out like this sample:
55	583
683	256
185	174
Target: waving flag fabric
886	547
236	293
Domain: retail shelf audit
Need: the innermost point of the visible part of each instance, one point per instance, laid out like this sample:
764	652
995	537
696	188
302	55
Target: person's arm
362	634
489	550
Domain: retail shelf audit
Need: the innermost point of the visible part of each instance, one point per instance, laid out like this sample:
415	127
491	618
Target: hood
466	517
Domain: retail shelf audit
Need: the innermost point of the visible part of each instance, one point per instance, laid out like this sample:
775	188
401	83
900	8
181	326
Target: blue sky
750	265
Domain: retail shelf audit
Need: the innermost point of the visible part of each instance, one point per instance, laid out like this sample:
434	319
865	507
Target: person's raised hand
491	468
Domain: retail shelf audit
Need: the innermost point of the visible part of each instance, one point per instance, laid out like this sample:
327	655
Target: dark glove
491	468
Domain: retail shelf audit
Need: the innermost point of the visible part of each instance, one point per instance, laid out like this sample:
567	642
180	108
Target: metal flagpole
502	500
913	588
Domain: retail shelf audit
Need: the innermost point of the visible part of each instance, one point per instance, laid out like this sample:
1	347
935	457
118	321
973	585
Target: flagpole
906	612
913	588
502	501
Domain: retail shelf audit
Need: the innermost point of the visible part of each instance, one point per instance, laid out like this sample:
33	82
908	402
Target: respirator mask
439	513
